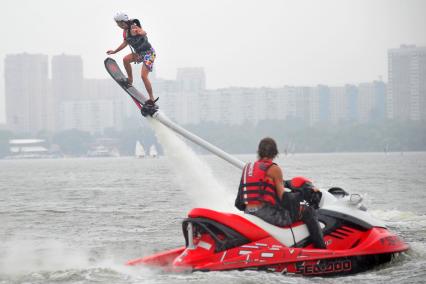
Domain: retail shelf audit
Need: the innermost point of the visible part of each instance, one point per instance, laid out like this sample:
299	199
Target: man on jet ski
261	193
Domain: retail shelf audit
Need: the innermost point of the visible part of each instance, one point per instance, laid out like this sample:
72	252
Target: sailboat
139	150
153	151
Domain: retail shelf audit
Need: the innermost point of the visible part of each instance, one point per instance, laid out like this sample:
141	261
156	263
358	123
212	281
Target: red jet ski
217	241
224	241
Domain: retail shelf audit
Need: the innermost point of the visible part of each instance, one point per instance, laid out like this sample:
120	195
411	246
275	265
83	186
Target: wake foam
41	261
25	256
194	175
397	216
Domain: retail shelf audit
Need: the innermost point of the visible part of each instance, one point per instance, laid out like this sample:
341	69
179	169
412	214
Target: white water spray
50	260
194	175
27	256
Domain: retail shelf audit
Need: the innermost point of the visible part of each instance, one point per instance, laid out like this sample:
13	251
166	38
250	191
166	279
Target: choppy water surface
79	220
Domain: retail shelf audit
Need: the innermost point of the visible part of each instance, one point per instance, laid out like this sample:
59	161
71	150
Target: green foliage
291	136
73	142
295	136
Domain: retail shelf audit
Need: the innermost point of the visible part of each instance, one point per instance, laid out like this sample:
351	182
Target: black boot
149	107
151	102
310	218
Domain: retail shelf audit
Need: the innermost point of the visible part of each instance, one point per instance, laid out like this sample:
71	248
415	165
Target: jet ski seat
233	221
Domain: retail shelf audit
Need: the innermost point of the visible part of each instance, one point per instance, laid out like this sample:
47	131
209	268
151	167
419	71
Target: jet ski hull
217	246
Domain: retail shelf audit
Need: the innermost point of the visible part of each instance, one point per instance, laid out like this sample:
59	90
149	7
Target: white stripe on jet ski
245	181
204	245
223	256
244	252
251	247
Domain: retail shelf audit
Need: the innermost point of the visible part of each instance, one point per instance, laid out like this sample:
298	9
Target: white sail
153	151
139	150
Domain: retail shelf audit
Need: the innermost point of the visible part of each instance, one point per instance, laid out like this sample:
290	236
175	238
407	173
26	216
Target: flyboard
148	110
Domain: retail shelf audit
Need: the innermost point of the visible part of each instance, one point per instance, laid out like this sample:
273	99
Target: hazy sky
238	42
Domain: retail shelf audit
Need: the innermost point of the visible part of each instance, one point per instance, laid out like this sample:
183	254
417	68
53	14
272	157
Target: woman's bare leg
145	79
126	62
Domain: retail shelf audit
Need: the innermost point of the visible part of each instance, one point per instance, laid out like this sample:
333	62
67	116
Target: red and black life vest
138	43
255	186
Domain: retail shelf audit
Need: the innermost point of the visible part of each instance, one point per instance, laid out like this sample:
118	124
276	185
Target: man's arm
122	45
276	174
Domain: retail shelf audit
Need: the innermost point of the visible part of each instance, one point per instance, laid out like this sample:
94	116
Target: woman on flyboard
142	51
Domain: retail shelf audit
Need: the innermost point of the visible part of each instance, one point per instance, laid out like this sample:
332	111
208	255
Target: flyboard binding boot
149	107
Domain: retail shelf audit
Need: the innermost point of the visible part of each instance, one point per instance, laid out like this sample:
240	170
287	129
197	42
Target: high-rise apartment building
352	96
102	104
28	104
406	96
191	79
371	101
88	115
67	77
67	83
338	104
322	93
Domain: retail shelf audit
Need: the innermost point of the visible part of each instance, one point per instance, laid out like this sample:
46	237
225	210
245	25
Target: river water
80	220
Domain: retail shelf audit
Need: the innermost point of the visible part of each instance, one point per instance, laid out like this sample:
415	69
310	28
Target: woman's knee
128	58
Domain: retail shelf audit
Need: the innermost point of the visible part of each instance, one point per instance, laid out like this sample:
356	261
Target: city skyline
70	101
67	100
70	84
249	45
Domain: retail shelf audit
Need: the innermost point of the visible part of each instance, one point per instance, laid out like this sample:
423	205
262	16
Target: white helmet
121	17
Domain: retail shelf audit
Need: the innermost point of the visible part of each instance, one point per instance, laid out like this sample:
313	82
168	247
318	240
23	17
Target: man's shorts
147	57
274	215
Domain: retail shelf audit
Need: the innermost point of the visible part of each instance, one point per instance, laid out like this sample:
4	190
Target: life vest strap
260	184
260	191
253	199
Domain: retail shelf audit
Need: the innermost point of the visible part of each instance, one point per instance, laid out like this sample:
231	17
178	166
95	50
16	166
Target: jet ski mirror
355	198
338	192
